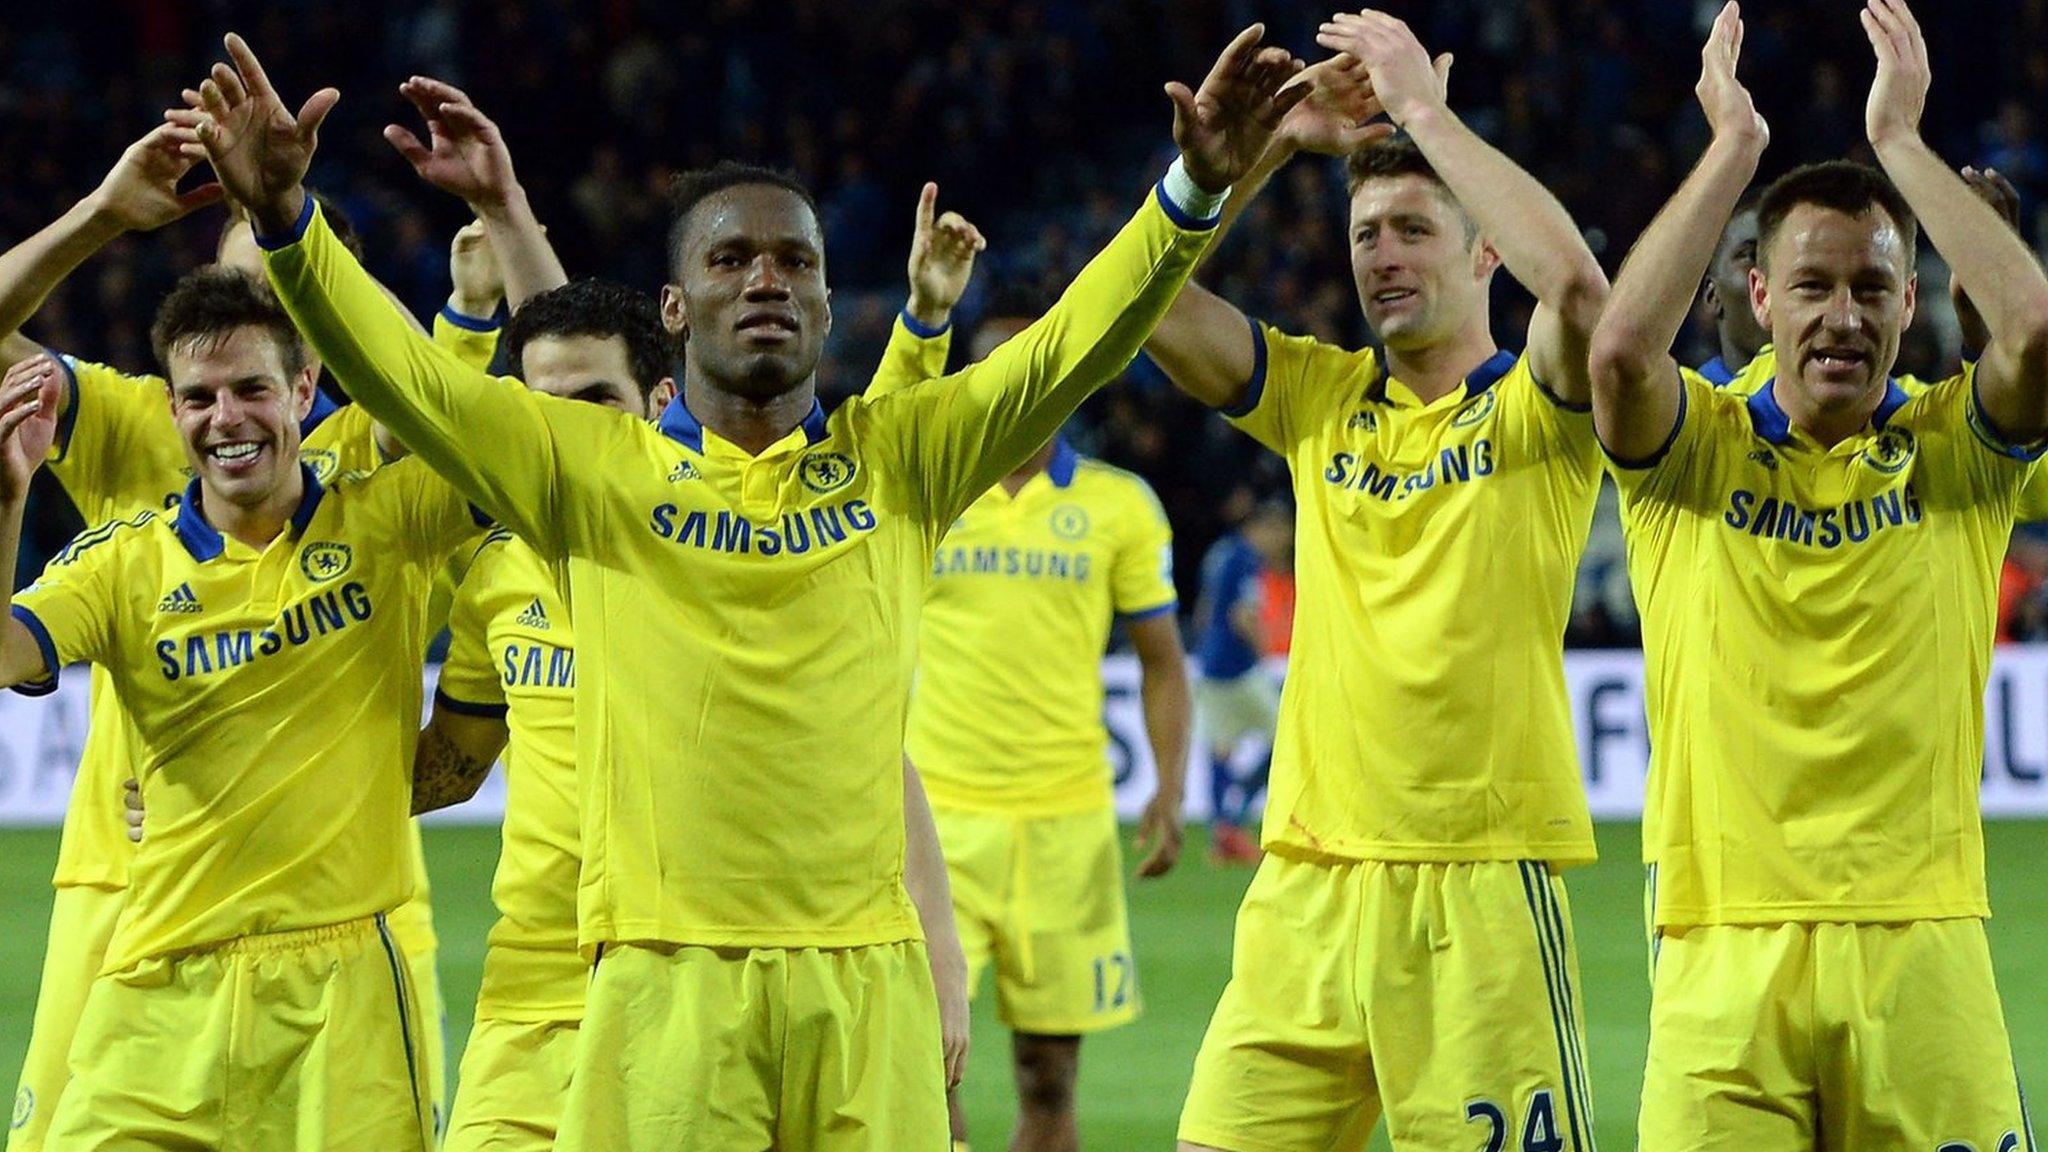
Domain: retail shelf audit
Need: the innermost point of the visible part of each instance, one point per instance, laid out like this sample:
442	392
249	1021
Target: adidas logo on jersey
535	616
684	470
1363	420
1765	457
179	600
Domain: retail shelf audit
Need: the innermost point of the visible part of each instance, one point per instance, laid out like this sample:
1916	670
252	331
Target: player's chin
771	373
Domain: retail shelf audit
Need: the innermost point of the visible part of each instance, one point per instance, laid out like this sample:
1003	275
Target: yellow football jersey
1006	715
512	654
914	353
2033	503
766	605
1425	715
1792	596
473	341
272	732
118	453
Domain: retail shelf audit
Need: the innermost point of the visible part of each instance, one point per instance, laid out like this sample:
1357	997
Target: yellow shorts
1445	995
303	1040
515	1077
412	926
826	1050
81	922
1043	898
1803	1036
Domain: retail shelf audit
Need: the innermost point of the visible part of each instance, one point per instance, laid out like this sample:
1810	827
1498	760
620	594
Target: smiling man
260	638
1806	558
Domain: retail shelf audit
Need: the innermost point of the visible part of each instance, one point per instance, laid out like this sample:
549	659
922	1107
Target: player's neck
1433	371
1733	355
1015	481
258	524
749	424
1829	425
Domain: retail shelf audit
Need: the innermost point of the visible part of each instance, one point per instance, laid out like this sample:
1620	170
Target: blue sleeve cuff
70	420
465	708
468	323
1255	388
1980	422
1180	216
48	683
1150	613
297	233
1664	449
922	331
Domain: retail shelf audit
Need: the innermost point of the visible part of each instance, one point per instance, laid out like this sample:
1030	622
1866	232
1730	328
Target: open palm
28	423
257	147
467	156
1224	127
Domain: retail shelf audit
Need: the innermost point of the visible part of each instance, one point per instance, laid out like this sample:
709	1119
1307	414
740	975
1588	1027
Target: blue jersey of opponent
1230	574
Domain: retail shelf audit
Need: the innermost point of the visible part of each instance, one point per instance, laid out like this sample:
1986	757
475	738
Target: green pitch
1132	1079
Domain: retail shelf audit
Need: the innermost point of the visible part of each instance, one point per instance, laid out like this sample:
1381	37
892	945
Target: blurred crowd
1041	120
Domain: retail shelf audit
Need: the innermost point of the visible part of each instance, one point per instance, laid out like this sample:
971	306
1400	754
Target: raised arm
1636	385
469	158
996	413
1204	344
2003	279
1994	189
942	253
139	194
499	446
28	426
1533	233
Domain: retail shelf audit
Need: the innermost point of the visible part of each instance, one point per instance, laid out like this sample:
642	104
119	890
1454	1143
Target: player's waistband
300	939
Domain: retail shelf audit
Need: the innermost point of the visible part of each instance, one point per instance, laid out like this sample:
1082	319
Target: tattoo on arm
443	773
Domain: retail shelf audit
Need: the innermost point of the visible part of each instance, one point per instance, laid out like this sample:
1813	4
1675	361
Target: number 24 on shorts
1539	1124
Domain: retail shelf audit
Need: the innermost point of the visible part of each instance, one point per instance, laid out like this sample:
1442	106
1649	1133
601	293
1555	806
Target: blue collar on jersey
1716	372
1770	421
203	540
1064	461
679	425
1478	380
318	414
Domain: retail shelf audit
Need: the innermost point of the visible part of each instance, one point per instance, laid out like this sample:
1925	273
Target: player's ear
1759	297
305	386
1711	297
660	396
1485	259
1912	300
674	315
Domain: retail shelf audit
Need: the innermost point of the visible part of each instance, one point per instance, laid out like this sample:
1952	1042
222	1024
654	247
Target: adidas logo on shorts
535	616
179	600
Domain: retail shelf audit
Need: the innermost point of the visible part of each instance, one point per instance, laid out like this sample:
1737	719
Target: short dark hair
1394	156
595	308
338	222
691	188
209	304
1843	185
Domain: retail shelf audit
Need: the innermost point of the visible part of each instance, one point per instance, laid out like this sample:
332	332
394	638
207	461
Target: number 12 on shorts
1539	1124
1112	981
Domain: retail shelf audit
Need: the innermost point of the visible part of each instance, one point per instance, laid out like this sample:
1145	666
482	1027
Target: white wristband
1188	196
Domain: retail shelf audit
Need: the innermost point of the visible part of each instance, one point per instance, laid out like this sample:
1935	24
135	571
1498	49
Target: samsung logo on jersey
1027	563
795	533
1852	523
1454	465
539	666
206	653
